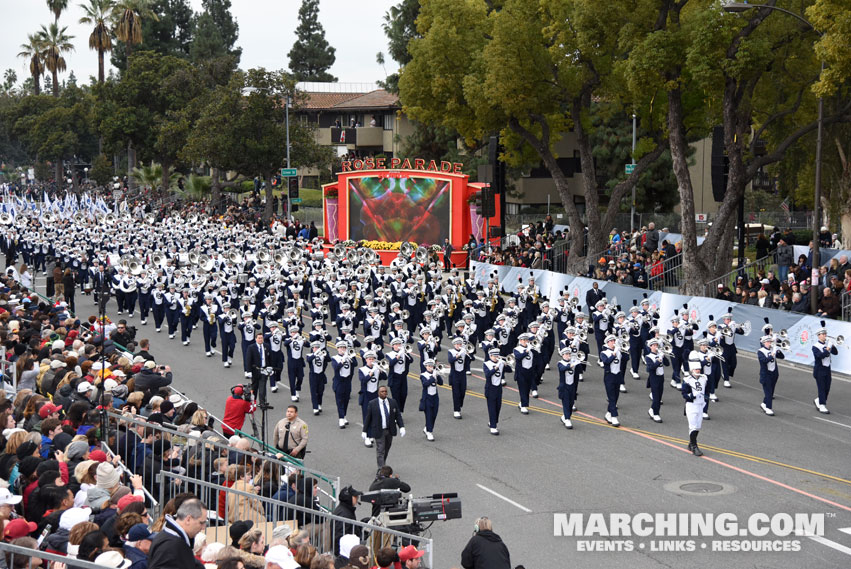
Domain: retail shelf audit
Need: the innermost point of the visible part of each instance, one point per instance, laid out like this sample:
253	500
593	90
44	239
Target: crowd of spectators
62	493
635	259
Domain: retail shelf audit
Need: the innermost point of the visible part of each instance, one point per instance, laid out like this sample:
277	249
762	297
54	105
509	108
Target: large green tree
400	27
131	17
753	74
528	70
226	25
311	56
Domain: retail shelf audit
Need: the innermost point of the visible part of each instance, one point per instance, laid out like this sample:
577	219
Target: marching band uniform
728	344
343	367
611	359
494	370
317	361
524	376
185	304
567	384
430	401
458	359
210	312
295	361
768	372
399	362
249	330
370	375
821	368
693	390
275	339
655	363
158	305
226	331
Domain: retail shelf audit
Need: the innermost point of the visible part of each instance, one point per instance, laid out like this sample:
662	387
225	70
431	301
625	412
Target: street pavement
797	462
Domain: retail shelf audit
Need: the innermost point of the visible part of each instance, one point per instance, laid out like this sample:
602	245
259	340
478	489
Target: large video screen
406	208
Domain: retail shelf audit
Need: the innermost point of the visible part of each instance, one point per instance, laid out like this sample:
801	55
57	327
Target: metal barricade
150	448
845	301
9	371
324	529
25	558
747	270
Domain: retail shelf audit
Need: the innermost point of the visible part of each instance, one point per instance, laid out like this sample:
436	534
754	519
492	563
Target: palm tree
128	15
57	7
55	42
32	50
98	12
195	188
152	176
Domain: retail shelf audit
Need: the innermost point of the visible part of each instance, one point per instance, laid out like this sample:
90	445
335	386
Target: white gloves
402	431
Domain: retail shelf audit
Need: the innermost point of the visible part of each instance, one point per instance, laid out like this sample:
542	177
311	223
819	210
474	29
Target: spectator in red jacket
236	408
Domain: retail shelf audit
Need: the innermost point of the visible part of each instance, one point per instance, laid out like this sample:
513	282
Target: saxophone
451	305
494	300
187	308
211	317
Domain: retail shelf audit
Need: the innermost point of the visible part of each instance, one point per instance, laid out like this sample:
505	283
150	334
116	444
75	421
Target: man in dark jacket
386	480
485	550
172	548
346	509
593	295
150	380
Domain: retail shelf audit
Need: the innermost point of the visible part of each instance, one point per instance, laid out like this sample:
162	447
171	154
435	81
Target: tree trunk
597	235
36	84
845	227
100	67
55	83
695	273
166	178
59	174
74	184
215	191
267	211
131	163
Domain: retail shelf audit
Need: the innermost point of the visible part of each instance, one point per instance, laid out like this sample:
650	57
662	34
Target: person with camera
291	434
152	377
124	335
386	480
237	406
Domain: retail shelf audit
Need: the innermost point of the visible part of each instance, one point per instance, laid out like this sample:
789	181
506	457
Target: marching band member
611	360
676	332
317	361
713	335
248	329
295	361
145	299
275	339
655	363
185	303
158	305
822	351
172	311
601	326
693	390
209	313
768	354
427	347
458	360
567	384
525	374
728	344
494	369
370	374
228	335
343	367
399	363
430	401
707	365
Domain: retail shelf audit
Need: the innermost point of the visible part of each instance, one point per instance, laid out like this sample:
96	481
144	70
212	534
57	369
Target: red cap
19	527
48	409
409	552
127	500
98	455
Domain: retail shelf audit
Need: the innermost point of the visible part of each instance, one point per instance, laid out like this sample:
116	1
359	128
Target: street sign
701	217
286	172
296	200
629	168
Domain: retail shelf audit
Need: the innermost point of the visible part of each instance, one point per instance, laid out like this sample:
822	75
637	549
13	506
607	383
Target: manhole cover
701	487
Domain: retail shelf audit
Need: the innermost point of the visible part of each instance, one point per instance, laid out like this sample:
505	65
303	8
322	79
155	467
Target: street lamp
86	170
742	7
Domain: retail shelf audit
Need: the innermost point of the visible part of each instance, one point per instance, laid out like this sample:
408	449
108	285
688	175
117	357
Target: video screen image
399	209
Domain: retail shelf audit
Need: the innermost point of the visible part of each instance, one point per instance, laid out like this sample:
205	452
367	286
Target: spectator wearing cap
280	557
57	542
346	509
345	544
113	560
410	557
137	546
19	527
8	501
291	434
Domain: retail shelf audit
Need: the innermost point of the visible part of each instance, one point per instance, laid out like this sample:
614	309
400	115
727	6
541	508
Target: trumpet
509	360
716	353
535	344
835	340
233	314
578	356
779	344
440	369
471	349
622	345
408	349
384	366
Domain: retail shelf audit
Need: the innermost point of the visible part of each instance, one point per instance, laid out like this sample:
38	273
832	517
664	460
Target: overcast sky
266	34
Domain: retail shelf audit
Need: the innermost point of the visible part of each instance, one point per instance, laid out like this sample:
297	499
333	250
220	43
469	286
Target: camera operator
386	480
124	335
238	405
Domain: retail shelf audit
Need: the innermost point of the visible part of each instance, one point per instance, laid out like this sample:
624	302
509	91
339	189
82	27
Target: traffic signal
292	184
295	207
488	202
